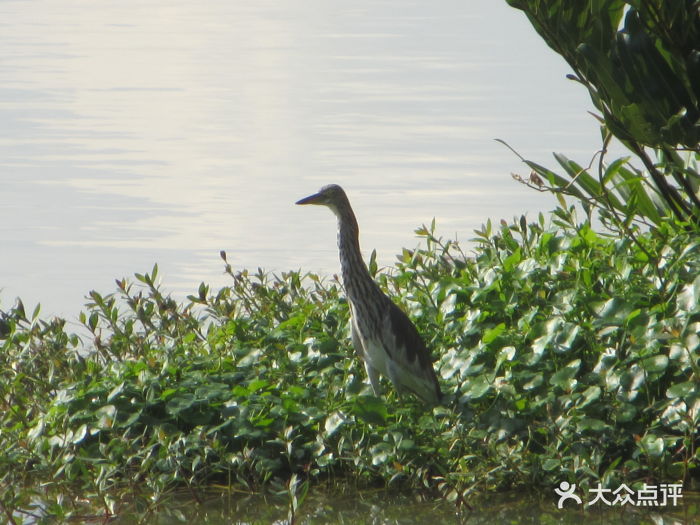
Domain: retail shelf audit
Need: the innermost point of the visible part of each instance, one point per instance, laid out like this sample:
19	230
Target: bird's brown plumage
382	334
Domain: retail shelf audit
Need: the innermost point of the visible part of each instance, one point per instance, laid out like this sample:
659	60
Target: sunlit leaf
682	390
657	363
564	377
371	409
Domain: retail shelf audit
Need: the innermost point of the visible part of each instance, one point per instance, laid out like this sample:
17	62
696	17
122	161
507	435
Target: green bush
564	354
640	62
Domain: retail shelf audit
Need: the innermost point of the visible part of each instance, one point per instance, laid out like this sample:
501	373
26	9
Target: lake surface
136	132
382	507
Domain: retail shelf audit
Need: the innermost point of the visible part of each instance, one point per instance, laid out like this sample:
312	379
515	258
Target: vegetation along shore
566	346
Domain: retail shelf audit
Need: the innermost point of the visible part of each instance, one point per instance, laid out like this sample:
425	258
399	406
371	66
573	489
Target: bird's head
332	196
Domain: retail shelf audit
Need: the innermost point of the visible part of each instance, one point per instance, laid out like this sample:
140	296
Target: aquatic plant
565	354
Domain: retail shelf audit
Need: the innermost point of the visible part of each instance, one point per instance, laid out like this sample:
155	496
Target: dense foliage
640	62
564	354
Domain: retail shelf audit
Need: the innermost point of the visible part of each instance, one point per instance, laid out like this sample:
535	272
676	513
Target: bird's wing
372	373
356	341
407	339
409	353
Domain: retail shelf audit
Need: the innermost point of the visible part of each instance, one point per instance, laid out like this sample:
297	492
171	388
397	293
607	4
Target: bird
382	334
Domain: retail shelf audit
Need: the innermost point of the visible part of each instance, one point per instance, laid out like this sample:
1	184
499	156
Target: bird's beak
311	199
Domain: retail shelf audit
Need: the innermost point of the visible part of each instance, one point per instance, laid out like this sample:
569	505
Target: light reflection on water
153	131
381	507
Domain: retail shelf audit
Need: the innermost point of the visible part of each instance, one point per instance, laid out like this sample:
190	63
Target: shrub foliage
640	62
564	354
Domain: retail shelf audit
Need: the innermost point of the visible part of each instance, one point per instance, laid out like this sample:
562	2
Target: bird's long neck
356	277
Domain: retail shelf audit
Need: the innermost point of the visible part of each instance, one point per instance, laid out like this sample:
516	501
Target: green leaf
631	381
79	434
521	404
37	430
689	298
256	385
370	409
116	391
653	445
334	422
512	260
614	311
180	403
625	412
682	390
372	266
35	313
551	464
490	334
477	387
533	383
592	393
612	170
106	415
656	363
591	424
381	453
579	176
263	422
564	377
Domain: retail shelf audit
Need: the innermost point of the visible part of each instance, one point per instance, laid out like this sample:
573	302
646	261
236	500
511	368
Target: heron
382	334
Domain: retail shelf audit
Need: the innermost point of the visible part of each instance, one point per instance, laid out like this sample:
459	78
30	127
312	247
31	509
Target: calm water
385	508
147	131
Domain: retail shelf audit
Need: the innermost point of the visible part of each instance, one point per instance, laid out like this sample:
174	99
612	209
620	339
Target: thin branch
669	193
